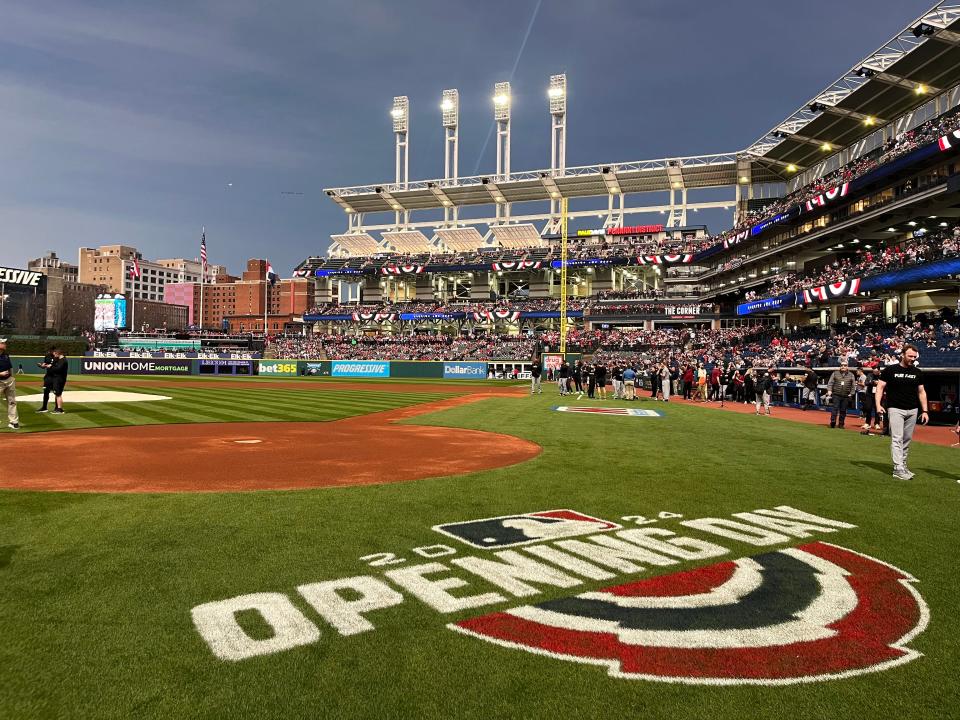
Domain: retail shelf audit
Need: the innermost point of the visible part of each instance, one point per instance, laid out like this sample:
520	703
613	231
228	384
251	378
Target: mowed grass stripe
392	399
308	402
192	405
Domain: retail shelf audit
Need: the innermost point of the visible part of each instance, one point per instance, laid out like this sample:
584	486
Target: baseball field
207	548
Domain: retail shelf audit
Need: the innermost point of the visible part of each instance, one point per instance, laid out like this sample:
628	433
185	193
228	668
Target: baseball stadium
445	467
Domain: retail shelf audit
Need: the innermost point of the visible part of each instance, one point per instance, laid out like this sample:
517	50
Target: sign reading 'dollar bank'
12	276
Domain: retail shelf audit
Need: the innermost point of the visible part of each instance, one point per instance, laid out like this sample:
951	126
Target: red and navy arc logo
401	269
805	614
828	196
947	142
824	293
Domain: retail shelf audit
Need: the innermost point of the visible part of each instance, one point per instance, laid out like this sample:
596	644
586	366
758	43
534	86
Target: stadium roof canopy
918	62
921	60
703	171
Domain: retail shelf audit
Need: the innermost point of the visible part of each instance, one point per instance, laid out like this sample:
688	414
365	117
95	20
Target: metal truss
693	161
604	218
940	16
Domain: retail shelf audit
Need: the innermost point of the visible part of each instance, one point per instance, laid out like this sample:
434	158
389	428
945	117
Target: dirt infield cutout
97	396
234	457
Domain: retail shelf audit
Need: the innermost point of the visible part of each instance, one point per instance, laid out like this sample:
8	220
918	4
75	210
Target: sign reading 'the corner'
12	276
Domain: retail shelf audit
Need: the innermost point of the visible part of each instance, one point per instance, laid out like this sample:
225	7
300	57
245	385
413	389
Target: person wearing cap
8	386
840	386
765	385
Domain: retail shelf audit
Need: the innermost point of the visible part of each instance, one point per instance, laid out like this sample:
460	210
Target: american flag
135	269
203	249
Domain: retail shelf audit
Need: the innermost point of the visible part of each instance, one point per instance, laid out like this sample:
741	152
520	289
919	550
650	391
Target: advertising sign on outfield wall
360	368
464	370
319	367
286	368
123	366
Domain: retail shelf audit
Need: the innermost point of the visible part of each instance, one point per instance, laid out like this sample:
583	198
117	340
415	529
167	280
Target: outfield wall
410	369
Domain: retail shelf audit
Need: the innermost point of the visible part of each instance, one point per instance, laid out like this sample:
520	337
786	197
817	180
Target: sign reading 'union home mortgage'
12	276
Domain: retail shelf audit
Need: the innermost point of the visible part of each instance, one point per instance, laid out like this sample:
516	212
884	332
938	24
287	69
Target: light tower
401	131
450	109
501	115
557	92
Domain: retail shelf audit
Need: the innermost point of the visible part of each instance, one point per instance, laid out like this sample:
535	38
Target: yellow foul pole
563	276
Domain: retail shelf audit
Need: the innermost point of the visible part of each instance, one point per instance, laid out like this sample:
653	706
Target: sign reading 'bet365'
12	276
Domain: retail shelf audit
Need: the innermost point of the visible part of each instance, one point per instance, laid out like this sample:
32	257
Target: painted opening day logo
811	612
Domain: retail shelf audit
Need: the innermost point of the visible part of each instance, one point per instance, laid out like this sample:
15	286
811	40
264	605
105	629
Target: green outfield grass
233	404
96	591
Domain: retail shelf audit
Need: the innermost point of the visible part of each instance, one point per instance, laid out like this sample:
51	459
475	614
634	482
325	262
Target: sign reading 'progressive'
12	276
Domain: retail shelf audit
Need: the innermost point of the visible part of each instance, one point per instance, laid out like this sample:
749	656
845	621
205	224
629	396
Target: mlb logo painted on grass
630	412
511	530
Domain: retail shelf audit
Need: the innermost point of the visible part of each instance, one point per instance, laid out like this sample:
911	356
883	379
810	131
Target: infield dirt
213	457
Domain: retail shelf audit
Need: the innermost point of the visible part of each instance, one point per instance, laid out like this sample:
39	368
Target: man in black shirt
536	370
809	392
47	380
58	379
600	372
903	384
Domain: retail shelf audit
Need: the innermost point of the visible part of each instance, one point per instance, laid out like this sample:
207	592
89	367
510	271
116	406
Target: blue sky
126	122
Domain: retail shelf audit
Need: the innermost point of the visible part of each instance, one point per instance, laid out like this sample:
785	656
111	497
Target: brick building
237	304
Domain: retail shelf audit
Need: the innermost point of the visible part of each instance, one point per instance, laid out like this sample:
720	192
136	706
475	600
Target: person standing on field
763	390
841	386
906	406
600	372
8	387
665	381
629	383
617	375
536	370
871	376
809	393
47	380
563	376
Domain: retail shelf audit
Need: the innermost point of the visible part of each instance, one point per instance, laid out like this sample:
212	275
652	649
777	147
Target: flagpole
203	273
266	283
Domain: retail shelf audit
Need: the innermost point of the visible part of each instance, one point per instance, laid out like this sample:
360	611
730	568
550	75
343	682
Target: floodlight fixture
501	101
400	114
557	92
450	105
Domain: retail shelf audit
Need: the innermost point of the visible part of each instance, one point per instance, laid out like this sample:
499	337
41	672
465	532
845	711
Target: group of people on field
54	366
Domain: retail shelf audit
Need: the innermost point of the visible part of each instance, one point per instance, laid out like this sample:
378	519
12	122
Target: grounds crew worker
8	386
841	386
903	384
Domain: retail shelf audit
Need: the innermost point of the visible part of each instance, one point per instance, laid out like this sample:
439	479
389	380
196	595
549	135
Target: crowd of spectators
866	262
524	304
868	342
894	148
